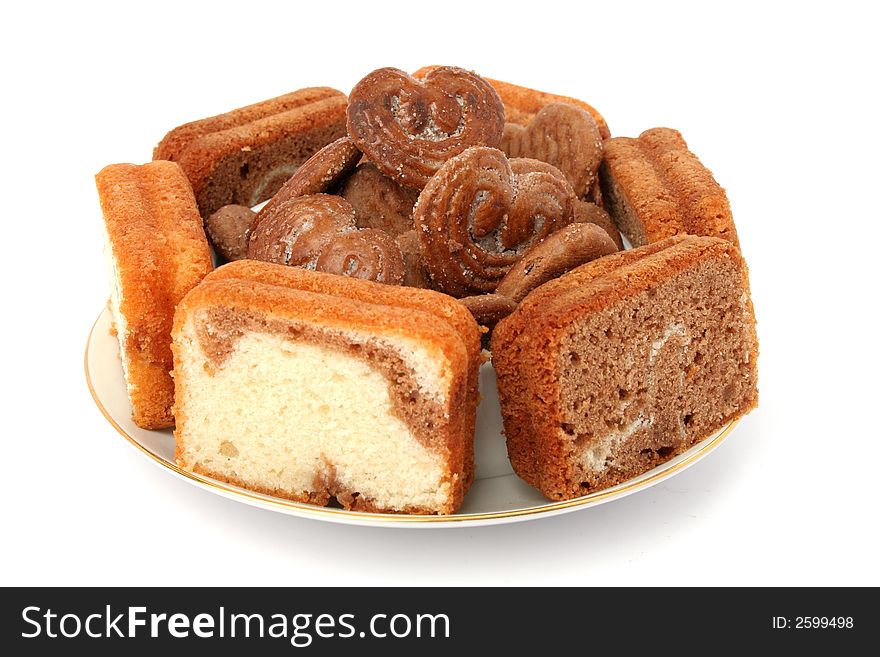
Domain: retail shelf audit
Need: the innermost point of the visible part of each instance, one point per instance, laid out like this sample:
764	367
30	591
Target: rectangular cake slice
655	187
157	251
315	387
243	157
626	362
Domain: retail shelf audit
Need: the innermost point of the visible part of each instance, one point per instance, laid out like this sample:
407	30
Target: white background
779	101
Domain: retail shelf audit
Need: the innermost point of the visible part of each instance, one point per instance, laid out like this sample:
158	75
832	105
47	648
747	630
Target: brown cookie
595	193
297	232
410	127
521	103
368	254
320	173
585	212
563	135
488	310
562	251
522	165
378	200
415	274
476	218
229	230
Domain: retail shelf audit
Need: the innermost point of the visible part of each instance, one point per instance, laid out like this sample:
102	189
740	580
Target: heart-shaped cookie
584	211
563	135
476	218
318	232
409	128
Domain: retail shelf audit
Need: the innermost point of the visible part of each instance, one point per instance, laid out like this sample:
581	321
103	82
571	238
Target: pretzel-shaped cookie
318	232
476	219
410	127
414	273
584	211
562	251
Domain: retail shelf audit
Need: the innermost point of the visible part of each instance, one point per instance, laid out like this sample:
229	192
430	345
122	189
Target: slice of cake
311	386
244	156
625	362
157	251
655	187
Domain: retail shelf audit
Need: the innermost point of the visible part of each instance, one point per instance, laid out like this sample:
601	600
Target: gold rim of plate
250	497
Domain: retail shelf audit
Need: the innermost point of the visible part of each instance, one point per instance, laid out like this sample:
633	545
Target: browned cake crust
244	156
654	187
521	104
368	292
160	253
565	382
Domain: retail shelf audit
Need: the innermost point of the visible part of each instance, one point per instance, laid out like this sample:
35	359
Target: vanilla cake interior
314	397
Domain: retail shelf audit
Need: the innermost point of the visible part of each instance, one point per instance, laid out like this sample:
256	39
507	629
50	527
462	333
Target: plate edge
360	517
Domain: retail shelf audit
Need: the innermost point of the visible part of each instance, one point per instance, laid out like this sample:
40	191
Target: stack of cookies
408	225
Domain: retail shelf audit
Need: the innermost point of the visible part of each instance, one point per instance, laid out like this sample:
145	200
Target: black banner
427	622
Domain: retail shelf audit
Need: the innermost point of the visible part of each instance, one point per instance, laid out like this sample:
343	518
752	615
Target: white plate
497	495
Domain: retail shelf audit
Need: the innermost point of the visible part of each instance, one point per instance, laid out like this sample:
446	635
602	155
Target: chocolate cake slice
244	156
626	362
